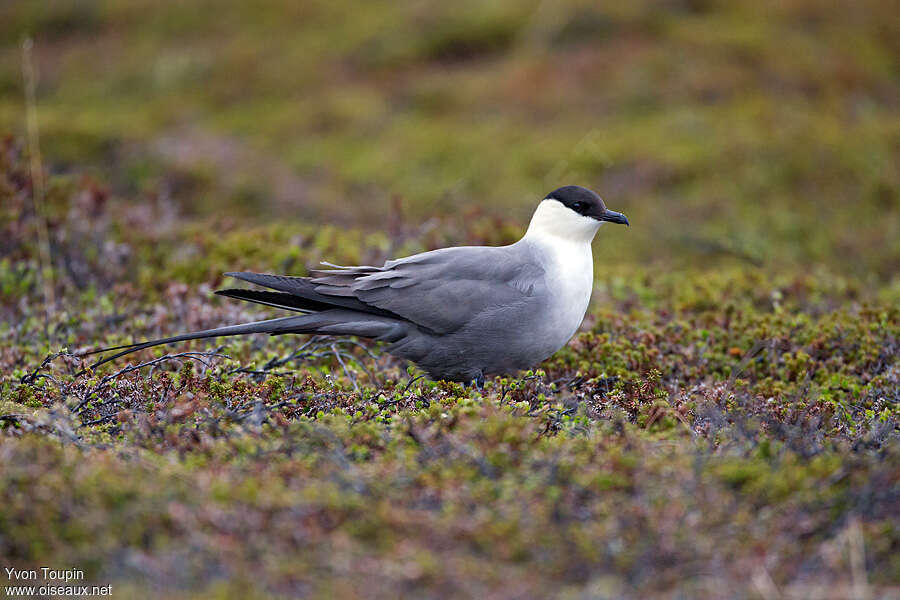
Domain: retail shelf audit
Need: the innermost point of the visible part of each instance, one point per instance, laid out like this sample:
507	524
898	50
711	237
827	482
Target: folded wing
440	291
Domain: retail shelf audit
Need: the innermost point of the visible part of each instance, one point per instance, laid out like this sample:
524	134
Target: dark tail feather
276	299
304	288
272	326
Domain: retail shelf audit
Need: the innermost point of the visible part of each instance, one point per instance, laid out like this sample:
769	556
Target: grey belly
500	343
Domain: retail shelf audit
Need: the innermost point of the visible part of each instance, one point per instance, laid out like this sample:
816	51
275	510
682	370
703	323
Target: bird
460	313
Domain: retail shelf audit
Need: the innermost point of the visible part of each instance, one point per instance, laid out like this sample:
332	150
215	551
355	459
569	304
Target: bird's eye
580	207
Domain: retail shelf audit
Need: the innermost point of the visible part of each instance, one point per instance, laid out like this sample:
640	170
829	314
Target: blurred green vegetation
768	131
727	423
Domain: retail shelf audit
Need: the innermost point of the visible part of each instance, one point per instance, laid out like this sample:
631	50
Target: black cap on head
585	203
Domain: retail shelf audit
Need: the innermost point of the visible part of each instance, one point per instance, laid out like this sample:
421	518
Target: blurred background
725	425
766	133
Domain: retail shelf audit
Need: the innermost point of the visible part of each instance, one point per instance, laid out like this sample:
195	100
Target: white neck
564	239
552	221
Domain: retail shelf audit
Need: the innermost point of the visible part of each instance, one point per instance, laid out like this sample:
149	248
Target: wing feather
440	290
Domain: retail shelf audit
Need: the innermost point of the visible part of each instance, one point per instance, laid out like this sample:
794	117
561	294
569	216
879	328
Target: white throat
564	238
552	221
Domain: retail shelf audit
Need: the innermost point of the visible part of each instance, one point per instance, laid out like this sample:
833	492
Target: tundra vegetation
724	425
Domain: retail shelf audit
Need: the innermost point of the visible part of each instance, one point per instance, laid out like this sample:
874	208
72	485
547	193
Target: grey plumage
459	313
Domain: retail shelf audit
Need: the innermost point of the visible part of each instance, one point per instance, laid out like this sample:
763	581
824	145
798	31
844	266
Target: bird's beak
613	217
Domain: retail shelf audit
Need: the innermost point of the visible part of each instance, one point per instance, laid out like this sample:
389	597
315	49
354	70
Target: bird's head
572	212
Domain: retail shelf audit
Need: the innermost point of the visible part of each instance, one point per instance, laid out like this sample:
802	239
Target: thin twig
30	378
412	381
315	348
45	270
150	363
352	378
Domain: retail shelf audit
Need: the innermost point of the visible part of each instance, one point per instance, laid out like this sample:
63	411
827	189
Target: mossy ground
724	425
